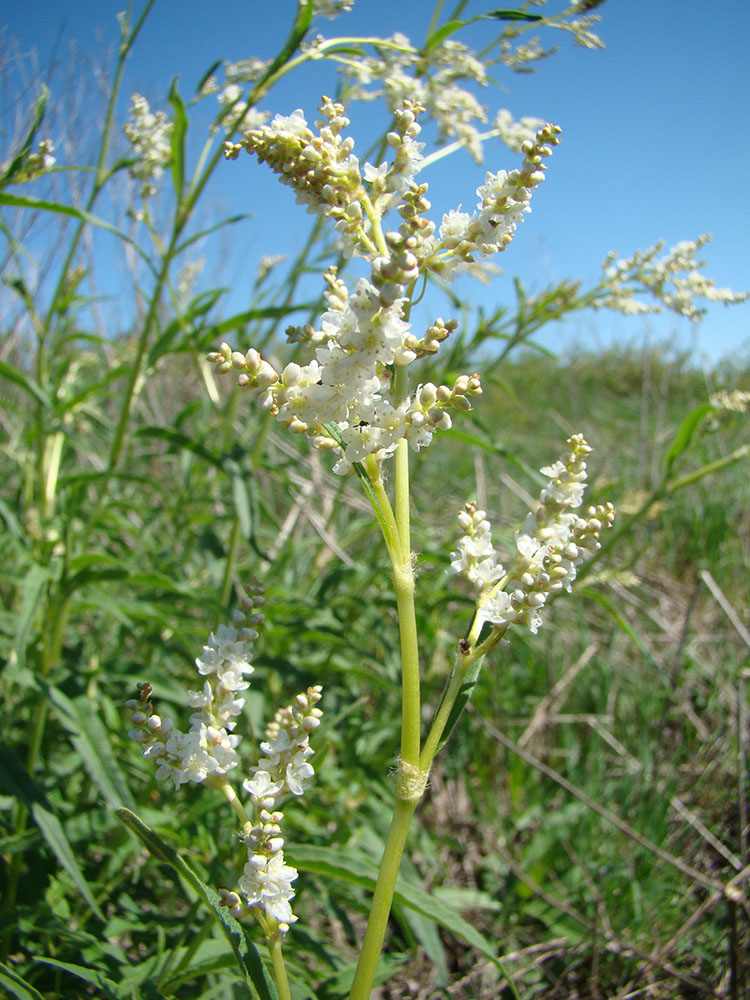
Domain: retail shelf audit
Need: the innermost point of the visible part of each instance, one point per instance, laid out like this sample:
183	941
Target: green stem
279	969
377	923
403	580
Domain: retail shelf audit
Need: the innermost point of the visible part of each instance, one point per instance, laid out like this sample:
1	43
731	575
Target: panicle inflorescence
343	399
284	769
553	543
207	753
150	136
319	166
673	281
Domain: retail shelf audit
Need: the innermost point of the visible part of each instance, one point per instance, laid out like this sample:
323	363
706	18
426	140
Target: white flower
267	882
298	773
260	786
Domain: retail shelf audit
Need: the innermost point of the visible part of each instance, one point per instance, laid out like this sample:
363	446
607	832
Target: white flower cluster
319	167
284	769
338	399
236	112
736	401
40	160
267	263
504	199
433	78
553	543
206	752
673	280
515	133
343	398
149	135
331	8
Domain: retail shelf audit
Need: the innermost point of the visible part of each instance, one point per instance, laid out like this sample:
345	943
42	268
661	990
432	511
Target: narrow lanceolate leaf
106	987
17	163
179	130
512	15
244	950
462	700
352	867
90	739
686	434
32	592
17	987
207	75
26	383
443	32
40	205
15	780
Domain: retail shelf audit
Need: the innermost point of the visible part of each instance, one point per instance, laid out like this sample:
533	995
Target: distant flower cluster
673	281
736	401
331	8
399	71
150	136
40	160
206	753
553	543
343	398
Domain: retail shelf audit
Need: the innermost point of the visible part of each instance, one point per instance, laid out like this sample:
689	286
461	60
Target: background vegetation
587	824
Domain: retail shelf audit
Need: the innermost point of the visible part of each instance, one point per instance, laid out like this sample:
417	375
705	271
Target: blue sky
655	135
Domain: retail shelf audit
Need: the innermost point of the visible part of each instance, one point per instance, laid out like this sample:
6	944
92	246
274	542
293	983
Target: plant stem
377	922
279	969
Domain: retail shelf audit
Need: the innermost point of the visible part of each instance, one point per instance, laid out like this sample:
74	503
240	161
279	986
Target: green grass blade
16	780
26	383
32	593
245	952
179	130
90	739
17	987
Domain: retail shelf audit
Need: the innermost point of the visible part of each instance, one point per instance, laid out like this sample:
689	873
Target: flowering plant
143	500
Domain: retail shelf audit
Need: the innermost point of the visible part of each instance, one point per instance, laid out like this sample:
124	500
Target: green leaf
16	780
179	129
17	164
16	986
97	978
512	15
356	868
207	75
300	28
686	433
267	312
32	593
462	699
26	383
90	739
38	204
229	221
443	32
103	568
244	950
